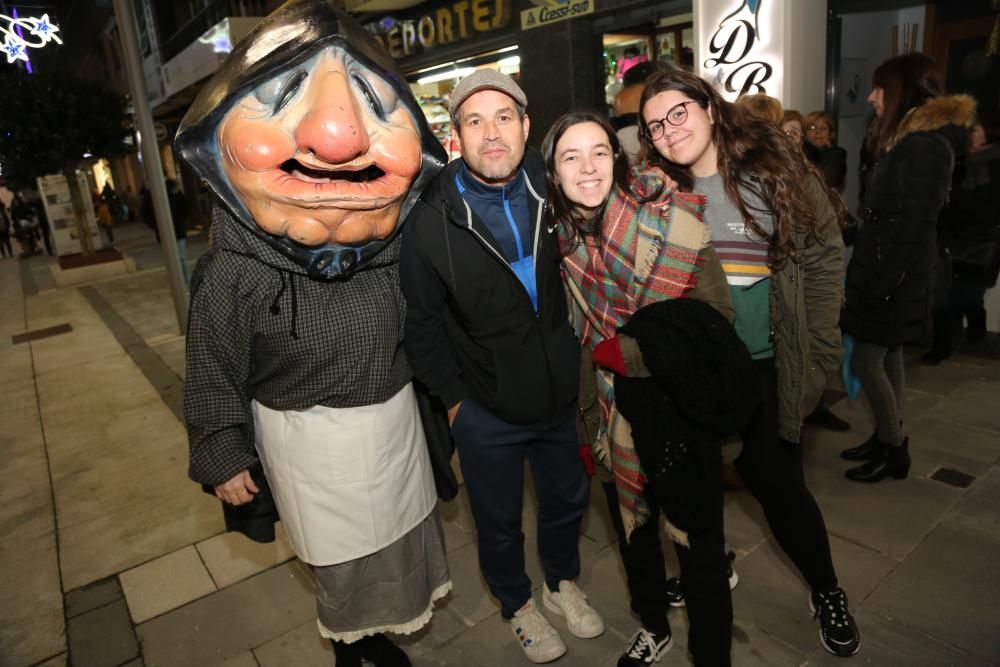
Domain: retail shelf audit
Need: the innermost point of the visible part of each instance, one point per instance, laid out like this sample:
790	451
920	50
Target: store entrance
670	40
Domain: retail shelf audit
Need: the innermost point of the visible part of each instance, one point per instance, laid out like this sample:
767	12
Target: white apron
347	481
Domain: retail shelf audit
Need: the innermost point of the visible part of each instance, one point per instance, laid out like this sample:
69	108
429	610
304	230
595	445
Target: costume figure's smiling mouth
314	175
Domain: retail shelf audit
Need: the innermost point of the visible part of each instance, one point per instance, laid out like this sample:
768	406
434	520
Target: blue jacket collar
467	183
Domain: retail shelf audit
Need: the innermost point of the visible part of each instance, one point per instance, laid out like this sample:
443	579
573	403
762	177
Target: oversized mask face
323	152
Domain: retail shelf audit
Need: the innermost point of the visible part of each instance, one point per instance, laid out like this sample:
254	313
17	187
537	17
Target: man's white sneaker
537	637
571	602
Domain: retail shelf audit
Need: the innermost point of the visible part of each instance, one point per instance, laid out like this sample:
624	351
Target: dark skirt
392	590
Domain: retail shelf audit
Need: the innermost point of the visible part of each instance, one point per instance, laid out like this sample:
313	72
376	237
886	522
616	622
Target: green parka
805	300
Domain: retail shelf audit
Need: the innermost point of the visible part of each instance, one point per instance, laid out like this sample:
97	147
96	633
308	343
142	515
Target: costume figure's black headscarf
290	36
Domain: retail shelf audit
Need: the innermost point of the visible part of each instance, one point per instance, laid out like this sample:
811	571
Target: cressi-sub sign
555	12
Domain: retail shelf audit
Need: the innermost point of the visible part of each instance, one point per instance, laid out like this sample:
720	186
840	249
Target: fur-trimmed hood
936	113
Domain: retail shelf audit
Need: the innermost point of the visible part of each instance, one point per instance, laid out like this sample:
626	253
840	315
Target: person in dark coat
913	142
969	236
22	216
487	330
821	148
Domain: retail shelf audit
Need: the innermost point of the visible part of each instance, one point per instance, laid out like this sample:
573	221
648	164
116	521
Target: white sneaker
537	637
571	602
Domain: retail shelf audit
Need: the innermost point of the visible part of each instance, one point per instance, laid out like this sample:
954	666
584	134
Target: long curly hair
752	154
577	226
907	81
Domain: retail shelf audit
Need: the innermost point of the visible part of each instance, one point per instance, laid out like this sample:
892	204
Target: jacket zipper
524	291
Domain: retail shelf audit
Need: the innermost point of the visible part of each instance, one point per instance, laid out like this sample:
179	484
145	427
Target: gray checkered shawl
260	328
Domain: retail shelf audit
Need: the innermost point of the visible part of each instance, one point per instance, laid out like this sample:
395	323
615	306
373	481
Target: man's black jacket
471	330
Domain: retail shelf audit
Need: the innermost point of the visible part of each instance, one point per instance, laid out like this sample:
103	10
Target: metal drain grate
953	477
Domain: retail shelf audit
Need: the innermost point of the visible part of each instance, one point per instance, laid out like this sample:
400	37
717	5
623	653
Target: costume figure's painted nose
333	129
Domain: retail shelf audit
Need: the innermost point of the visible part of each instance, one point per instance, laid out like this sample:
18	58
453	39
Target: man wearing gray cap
487	331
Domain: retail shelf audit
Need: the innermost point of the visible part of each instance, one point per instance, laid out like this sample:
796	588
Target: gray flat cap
485	79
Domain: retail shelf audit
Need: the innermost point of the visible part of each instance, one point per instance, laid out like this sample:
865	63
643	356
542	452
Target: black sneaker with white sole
645	648
676	598
837	630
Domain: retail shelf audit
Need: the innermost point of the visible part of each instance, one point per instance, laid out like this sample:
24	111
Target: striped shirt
743	256
744	260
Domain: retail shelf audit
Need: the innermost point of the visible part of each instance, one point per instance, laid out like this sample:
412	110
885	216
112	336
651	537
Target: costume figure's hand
237	491
608	354
452	411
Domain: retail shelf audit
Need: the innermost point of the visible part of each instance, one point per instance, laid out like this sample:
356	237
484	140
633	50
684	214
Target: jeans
492	454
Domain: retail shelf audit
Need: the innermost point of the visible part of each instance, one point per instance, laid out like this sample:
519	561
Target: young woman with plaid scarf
626	243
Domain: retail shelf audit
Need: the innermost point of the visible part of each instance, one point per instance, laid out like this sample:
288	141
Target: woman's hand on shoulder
648	181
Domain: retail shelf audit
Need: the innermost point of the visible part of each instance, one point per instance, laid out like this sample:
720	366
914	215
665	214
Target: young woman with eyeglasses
775	228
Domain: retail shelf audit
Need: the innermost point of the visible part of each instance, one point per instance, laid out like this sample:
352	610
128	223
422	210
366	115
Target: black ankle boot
381	652
891	462
347	655
976	328
866	451
934	357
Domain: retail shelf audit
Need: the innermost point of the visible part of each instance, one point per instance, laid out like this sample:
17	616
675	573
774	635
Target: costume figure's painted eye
289	90
279	91
374	103
267	92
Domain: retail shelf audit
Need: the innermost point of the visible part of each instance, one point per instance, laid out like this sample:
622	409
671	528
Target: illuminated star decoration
15	46
15	49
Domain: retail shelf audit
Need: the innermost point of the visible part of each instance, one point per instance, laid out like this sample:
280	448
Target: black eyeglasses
818	128
676	116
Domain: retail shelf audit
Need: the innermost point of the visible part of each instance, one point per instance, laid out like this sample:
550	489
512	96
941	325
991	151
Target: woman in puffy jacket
913	142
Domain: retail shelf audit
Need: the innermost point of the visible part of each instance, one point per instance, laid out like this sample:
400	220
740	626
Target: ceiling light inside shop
444	76
513	60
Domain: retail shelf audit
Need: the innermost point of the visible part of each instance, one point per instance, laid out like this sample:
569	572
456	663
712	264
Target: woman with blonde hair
821	147
762	106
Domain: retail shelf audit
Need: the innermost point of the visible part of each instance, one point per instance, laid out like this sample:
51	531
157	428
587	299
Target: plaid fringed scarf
646	253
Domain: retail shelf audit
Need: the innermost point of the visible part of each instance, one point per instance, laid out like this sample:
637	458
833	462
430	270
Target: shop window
668	40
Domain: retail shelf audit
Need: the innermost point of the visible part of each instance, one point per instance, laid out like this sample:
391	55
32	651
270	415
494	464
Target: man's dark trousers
492	454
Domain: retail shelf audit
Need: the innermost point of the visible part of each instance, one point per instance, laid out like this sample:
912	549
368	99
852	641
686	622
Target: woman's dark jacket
969	231
890	276
471	328
832	161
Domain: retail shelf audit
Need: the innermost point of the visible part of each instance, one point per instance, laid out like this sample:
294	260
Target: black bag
975	259
440	445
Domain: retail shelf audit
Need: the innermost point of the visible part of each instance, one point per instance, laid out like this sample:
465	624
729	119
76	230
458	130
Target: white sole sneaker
550	604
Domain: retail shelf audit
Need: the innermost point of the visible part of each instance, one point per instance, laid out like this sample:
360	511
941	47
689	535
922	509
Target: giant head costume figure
312	139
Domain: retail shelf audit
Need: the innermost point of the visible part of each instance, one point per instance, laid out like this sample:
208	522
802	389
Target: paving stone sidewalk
113	557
